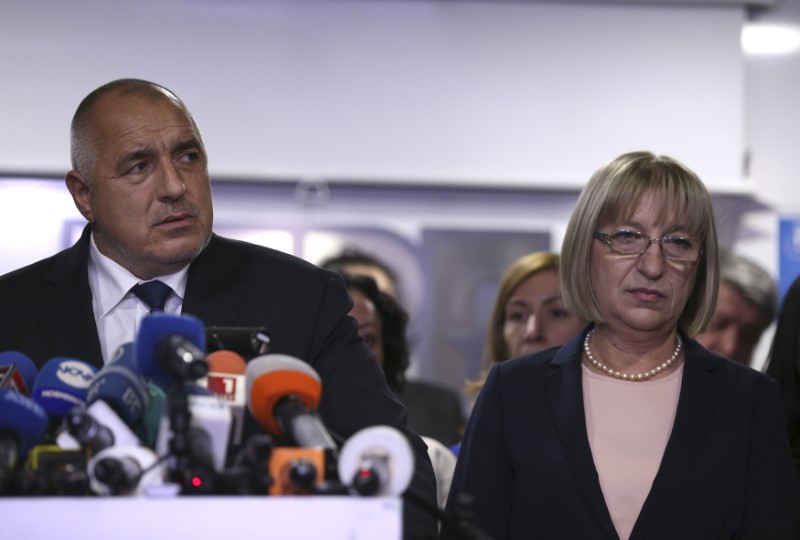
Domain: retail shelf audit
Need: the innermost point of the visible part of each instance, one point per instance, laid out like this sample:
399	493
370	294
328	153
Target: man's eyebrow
188	144
134	155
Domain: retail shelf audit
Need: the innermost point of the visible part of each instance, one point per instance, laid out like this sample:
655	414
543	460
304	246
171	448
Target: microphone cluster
167	417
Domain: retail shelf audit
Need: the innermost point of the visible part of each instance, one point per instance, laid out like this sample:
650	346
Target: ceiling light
765	39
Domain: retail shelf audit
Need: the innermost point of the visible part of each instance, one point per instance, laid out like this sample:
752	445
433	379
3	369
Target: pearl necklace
632	376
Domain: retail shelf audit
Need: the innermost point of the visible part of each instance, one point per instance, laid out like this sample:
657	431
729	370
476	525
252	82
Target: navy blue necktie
153	293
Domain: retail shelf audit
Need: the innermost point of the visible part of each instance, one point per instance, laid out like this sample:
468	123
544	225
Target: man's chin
181	251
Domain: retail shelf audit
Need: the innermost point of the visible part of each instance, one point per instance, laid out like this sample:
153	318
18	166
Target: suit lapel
695	408
71	326
565	395
214	294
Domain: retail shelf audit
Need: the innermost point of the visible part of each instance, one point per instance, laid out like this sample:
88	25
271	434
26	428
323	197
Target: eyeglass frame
606	239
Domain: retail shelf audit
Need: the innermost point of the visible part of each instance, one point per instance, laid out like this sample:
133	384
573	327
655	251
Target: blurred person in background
433	410
382	323
746	304
529	314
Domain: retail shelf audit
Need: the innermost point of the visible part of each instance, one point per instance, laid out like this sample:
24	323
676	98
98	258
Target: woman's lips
647	294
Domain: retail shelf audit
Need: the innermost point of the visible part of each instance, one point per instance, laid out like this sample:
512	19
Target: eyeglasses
674	248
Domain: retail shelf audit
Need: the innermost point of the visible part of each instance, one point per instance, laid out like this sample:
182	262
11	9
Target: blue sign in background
789	253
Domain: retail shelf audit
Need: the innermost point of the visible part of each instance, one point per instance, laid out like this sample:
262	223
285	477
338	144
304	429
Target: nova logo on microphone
74	373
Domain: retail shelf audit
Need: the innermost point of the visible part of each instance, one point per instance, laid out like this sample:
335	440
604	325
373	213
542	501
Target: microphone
62	385
17	372
170	347
151	417
52	470
204	441
118	385
97	427
283	394
22	425
247	341
125	470
226	380
377	460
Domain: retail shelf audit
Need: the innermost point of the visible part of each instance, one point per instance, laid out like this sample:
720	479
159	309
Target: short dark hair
83	148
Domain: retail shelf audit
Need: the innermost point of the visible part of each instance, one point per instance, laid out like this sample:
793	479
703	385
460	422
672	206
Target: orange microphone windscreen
272	377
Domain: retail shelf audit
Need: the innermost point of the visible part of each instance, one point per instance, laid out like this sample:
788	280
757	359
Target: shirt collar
111	282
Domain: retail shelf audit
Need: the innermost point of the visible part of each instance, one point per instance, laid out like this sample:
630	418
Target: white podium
178	518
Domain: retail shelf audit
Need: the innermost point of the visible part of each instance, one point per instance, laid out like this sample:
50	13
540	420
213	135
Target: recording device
296	471
248	473
22	425
62	385
210	416
377	460
171	348
226	380
125	470
17	372
247	341
51	470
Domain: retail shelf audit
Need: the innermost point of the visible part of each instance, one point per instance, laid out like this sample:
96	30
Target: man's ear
79	189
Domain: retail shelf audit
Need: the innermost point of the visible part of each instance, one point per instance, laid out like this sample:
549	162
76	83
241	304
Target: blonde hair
613	193
495	347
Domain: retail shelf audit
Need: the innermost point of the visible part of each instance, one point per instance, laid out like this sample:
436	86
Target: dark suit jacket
46	311
433	411
726	471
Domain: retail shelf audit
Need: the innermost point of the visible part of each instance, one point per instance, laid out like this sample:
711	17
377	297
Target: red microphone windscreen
226	375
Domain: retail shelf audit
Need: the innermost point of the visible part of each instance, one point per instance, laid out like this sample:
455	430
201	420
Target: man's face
149	196
735	328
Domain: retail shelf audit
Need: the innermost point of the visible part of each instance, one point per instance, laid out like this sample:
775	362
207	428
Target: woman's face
369	323
644	292
535	316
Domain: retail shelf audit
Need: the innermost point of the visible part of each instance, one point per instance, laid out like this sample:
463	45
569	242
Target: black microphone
126	470
22	425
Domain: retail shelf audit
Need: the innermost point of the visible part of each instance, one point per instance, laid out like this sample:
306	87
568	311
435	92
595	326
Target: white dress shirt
117	311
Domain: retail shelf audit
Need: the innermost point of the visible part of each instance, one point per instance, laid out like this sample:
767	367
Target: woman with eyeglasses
631	430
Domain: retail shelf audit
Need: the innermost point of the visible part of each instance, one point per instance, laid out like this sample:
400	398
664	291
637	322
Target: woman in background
382	324
529	314
631	429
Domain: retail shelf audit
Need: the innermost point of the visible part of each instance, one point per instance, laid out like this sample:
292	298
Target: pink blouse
629	424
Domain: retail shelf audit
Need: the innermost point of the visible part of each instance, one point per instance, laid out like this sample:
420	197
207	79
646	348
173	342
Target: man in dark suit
140	178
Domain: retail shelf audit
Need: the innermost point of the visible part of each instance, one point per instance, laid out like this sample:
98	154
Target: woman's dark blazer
726	470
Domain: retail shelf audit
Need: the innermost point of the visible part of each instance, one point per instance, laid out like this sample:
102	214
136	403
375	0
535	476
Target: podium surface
123	518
